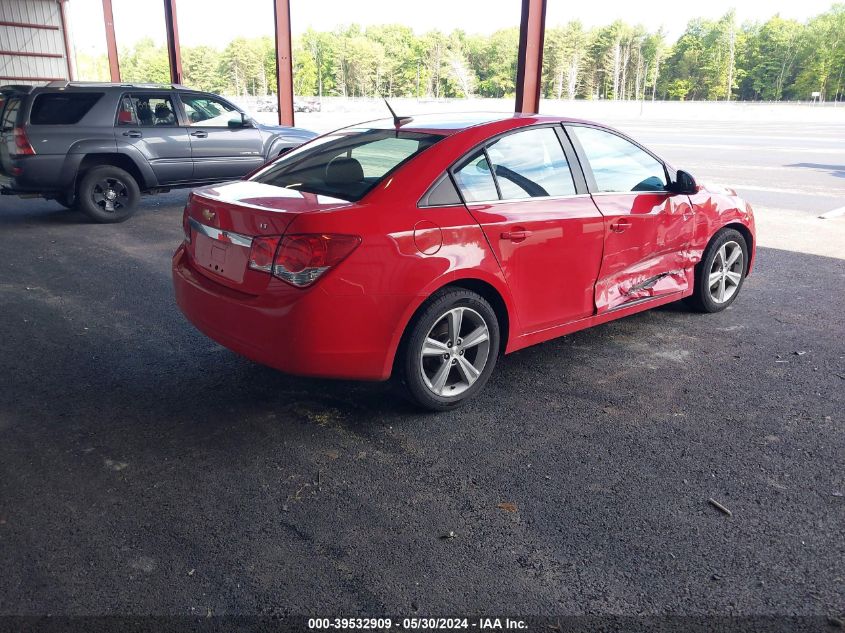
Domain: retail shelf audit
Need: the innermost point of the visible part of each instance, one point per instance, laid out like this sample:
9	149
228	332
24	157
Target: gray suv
99	146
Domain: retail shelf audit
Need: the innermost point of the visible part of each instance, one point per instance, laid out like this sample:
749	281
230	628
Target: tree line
779	59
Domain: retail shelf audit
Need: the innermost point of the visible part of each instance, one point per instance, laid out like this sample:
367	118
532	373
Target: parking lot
146	470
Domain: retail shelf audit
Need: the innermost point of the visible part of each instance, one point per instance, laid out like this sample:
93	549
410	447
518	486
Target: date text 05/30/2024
414	624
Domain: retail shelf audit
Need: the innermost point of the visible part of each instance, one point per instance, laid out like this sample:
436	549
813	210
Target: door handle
133	134
518	235
620	225
199	134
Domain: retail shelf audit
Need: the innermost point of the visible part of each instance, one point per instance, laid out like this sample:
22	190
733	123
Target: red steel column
65	36
284	69
529	73
174	53
111	43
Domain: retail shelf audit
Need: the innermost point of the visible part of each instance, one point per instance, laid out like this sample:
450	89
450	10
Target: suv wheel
108	194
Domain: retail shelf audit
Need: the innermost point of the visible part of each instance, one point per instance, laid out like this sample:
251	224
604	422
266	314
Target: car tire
438	372
108	194
721	272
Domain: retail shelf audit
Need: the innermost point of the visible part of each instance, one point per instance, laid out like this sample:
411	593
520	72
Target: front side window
531	164
346	164
207	112
146	110
617	164
62	108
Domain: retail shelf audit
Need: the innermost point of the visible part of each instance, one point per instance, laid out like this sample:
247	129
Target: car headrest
162	110
344	171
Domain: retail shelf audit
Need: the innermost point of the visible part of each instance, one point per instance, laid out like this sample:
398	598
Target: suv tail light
22	144
303	258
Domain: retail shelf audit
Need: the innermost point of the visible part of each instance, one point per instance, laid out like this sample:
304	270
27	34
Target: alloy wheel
110	194
455	352
726	272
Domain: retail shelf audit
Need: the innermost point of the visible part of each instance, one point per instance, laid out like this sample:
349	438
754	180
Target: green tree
563	60
398	71
822	55
713	59
145	63
201	68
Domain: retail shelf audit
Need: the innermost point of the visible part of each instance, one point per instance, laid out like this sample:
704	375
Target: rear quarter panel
406	255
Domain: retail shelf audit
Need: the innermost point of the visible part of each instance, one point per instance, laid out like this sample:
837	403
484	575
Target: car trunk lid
224	219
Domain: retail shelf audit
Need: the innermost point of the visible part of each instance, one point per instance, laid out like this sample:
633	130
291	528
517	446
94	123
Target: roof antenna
397	120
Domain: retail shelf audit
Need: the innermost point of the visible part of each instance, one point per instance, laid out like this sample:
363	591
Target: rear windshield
62	108
346	164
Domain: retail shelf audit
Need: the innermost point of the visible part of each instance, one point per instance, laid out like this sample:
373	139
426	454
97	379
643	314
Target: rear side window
62	108
617	164
441	194
347	164
531	164
146	110
9	117
475	180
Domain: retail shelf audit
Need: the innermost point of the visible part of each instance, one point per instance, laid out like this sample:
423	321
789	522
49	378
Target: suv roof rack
16	88
111	84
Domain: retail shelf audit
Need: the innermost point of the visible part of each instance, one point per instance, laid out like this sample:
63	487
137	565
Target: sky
216	22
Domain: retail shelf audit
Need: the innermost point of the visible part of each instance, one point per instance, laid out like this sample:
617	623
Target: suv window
208	112
617	164
62	108
10	115
531	164
346	164
146	110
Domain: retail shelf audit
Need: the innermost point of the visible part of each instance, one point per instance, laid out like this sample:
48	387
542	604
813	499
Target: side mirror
240	121
684	183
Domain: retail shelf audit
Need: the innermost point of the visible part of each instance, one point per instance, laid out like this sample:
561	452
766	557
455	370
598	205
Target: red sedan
424	248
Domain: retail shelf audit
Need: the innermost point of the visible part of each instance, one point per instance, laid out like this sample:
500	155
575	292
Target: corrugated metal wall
47	44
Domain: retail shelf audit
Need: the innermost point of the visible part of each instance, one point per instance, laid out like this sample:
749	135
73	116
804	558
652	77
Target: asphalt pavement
146	470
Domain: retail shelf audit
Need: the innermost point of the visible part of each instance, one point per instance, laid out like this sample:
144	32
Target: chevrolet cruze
424	248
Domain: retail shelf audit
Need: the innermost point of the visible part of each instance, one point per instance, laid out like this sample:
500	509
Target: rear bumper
303	332
39	174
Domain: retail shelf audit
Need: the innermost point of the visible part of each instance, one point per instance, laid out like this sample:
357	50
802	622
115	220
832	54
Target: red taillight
186	224
301	259
262	252
22	145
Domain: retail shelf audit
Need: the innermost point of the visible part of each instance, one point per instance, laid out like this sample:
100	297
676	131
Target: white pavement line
834	213
827	193
754	148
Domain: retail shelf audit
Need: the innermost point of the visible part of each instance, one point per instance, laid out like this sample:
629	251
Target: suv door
648	228
147	127
224	144
546	236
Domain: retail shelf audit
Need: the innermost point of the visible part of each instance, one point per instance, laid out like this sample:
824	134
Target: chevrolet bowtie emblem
208	215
